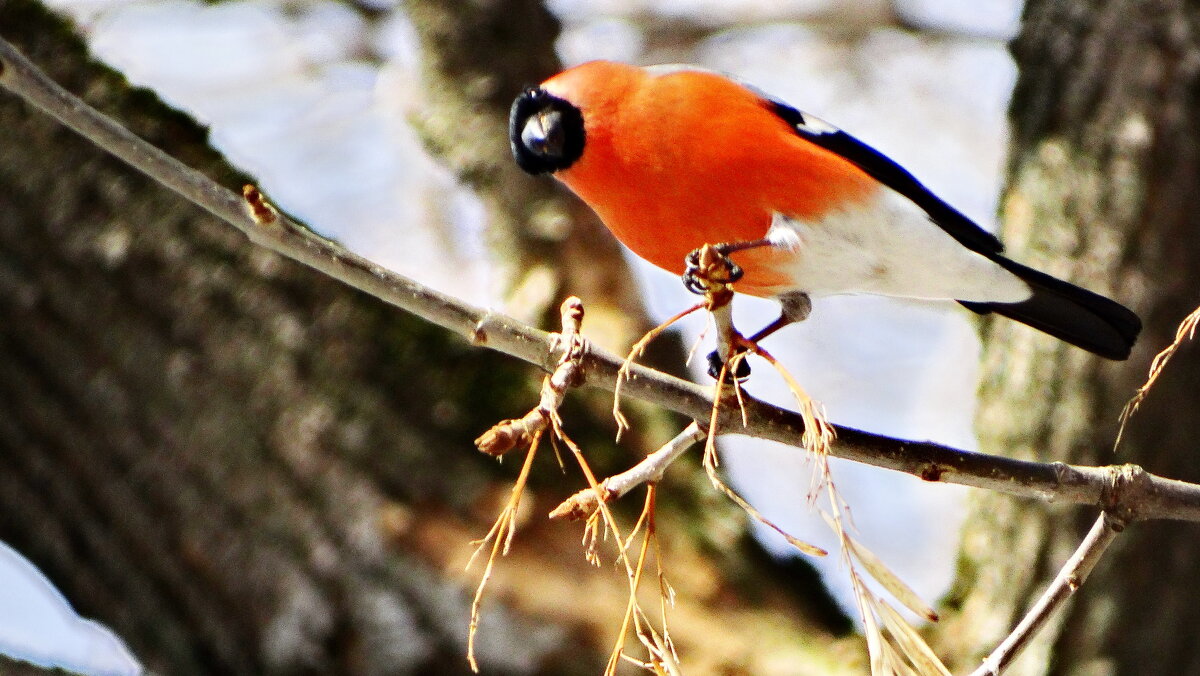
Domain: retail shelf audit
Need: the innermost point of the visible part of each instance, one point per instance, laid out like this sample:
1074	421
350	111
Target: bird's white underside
888	246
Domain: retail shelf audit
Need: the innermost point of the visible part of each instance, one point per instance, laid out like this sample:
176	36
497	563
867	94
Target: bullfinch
675	157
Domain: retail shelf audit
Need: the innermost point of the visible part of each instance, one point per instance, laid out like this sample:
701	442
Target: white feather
888	246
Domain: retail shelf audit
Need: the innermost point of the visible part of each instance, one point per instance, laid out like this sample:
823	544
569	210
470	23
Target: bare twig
1068	580
501	537
634	352
649	470
1056	482
509	434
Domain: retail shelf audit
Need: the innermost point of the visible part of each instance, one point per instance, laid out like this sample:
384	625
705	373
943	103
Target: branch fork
520	432
1069	579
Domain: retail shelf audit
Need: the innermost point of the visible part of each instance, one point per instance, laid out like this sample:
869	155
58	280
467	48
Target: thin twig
506	435
1055	482
634	352
501	536
649	470
1069	579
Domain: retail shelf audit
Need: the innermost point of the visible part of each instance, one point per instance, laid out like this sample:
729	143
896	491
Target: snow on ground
38	625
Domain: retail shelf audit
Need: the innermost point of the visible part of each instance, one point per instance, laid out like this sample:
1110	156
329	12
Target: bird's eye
546	132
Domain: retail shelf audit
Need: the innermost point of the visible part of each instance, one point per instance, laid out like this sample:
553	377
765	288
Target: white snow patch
38	625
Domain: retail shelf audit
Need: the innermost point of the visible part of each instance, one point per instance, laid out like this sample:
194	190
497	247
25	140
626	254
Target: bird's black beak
545	132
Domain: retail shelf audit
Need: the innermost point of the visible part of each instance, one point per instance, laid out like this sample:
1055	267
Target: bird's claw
709	265
692	283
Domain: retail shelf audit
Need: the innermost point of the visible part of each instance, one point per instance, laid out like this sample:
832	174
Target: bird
674	157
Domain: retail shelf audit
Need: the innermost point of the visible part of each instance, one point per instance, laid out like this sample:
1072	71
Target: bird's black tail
1065	311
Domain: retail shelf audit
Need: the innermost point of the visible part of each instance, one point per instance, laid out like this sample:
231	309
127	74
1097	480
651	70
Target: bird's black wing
887	172
1059	308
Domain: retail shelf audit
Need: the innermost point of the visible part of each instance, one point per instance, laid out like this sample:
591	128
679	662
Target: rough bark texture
245	468
1106	161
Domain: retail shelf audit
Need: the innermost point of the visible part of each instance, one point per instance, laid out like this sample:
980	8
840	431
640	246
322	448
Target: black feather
1068	312
886	171
1063	310
531	102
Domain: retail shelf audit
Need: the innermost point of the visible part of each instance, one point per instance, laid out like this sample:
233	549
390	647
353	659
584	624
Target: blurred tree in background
1106	154
243	467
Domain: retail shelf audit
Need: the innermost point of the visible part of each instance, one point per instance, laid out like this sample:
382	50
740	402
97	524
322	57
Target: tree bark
243	467
1106	159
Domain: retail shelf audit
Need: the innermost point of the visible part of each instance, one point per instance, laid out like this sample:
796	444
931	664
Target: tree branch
1159	498
510	434
1073	574
650	470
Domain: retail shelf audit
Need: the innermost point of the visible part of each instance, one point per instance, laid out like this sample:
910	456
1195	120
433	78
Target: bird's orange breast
675	161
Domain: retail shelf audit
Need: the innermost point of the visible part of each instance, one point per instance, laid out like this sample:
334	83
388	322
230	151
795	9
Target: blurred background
316	99
379	124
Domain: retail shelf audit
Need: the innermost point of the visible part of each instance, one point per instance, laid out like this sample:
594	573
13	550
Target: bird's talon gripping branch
710	266
732	271
692	283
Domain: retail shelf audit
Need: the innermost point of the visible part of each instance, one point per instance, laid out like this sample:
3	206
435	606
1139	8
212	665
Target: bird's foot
740	372
710	266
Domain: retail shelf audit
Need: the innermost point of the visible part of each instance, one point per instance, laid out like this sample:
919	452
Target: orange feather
684	158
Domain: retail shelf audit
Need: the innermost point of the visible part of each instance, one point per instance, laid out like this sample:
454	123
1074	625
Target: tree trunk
243	467
1105	163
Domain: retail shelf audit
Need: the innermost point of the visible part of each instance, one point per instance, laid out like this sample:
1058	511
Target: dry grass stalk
896	648
711	462
501	537
636	351
732	347
1185	331
634	615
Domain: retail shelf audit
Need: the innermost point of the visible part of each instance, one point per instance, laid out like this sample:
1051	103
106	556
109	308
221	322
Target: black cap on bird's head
545	132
